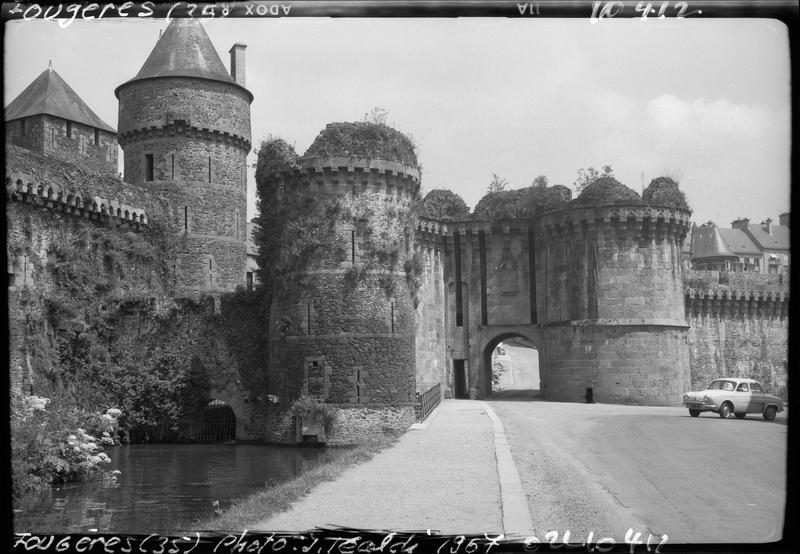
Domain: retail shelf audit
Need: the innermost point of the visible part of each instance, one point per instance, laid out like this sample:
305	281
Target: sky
705	101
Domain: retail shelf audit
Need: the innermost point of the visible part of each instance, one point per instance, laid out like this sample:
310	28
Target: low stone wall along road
606	468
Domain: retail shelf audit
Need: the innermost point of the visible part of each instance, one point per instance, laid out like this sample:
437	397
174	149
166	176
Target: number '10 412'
601	10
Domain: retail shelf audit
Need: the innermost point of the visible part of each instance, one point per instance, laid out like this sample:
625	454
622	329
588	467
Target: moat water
164	488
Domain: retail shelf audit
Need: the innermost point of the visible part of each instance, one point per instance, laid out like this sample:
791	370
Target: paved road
605	468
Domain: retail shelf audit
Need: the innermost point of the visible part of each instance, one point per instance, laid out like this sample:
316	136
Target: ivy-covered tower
184	127
342	321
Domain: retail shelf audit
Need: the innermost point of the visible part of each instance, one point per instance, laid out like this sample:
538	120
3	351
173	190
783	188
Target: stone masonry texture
188	140
613	308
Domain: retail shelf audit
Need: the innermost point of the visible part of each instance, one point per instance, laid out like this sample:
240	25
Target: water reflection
163	488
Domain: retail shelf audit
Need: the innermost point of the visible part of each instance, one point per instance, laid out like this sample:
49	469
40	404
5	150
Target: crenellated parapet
339	175
179	129
615	222
72	202
727	303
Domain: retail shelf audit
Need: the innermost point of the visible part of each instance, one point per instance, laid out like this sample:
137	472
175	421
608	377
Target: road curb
516	515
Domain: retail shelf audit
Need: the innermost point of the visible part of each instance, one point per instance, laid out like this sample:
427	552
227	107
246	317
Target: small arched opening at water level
219	423
511	366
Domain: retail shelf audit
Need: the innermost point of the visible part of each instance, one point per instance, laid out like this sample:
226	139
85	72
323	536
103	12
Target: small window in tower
148	171
22	127
69	129
249	280
97	137
186	218
173	166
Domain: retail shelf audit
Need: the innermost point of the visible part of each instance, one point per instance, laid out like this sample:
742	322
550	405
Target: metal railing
427	401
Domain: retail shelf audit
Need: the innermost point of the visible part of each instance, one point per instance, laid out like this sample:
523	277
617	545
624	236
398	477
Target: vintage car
733	395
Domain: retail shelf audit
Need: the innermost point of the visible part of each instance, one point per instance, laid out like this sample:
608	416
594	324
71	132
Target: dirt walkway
443	477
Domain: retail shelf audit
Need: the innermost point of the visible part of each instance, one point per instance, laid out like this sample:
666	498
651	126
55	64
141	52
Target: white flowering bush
58	444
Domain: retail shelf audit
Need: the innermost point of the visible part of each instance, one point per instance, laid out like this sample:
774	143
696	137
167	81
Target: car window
743	388
755	387
715	385
727	385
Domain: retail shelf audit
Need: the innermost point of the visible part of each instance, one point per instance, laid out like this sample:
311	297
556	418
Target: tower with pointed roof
184	127
50	118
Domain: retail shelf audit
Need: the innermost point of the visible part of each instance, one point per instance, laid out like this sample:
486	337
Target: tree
377	116
540	182
497	184
588	176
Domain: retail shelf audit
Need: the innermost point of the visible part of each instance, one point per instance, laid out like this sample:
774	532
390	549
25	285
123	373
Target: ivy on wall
101	326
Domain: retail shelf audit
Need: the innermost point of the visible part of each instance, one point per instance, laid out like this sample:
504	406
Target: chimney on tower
784	219
768	225
238	70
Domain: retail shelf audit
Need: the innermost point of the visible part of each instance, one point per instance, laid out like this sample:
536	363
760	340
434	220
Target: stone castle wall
197	103
738	326
342	327
196	134
47	134
611	263
431	318
623	364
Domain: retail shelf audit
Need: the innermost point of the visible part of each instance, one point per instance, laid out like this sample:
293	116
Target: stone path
453	474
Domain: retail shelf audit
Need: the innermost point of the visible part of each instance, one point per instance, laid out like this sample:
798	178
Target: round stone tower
343	322
611	298
184	126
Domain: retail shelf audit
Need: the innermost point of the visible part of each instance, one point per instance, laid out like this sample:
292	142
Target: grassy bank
274	499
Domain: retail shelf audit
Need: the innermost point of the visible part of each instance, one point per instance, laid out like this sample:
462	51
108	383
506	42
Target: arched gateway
219	423
500	371
596	288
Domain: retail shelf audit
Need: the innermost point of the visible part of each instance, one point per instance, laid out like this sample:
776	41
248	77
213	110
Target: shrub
57	445
363	139
607	190
443	205
664	191
308	408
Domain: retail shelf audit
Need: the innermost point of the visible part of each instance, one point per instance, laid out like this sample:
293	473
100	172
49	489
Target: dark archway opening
511	368
219	423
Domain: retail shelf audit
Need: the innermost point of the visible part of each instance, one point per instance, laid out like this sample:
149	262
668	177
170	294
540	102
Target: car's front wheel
770	412
725	410
694	413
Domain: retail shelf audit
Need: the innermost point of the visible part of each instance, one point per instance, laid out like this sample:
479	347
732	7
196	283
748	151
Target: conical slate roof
184	50
707	242
50	94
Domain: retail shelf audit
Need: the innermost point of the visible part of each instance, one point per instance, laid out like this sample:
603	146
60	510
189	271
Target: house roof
184	50
50	94
738	242
707	242
778	240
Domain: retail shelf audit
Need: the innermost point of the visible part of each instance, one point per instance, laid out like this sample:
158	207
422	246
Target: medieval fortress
604	292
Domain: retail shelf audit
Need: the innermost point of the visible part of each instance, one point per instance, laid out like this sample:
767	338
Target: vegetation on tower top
444	205
276	157
363	139
664	191
606	190
522	203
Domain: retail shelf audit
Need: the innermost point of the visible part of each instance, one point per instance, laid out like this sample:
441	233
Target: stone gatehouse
600	288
